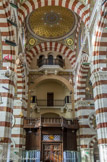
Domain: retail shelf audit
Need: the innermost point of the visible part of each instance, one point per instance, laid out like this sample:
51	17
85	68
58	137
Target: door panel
50	99
52	153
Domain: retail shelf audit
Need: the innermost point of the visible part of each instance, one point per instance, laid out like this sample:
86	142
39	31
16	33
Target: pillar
85	133
99	82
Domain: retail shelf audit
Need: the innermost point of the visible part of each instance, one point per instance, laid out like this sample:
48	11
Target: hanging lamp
10	43
11	22
1	99
85	63
13	5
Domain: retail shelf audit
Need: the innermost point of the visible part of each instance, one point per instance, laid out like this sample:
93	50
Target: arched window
60	60
40	60
59	57
50	60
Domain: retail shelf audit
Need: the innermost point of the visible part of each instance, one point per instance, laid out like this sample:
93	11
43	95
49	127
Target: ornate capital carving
84	103
97	76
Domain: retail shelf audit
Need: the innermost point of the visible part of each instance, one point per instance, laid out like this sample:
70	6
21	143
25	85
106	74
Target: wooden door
50	99
52	152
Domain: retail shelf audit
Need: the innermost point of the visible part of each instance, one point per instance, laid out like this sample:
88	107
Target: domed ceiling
51	23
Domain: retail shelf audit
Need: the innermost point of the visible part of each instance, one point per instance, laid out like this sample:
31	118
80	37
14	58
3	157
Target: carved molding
84	103
97	76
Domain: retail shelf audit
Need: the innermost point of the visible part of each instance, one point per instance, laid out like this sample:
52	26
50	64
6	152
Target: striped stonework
20	108
99	78
76	37
51	46
6	83
74	5
92	142
99	81
81	78
99	41
85	133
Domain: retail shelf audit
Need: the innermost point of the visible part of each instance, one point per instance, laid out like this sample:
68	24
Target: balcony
45	61
51	122
50	65
50	103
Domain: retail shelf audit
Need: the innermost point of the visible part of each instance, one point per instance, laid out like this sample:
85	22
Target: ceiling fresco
50	23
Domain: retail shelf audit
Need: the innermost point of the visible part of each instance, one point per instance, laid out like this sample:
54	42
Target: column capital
98	76
85	103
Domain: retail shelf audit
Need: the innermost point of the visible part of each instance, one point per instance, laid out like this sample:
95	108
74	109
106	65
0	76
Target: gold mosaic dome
51	23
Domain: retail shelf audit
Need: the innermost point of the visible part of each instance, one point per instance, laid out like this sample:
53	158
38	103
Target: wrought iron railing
45	61
50	102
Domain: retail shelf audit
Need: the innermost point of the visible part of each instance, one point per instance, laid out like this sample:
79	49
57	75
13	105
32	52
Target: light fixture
85	63
1	99
10	43
11	22
13	5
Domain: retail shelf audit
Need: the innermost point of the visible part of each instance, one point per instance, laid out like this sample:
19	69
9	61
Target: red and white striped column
6	83
20	110
99	80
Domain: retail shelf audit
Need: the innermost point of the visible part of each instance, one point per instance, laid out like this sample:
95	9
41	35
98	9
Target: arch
50	114
92	141
41	56
54	77
74	5
82	76
59	57
99	42
51	46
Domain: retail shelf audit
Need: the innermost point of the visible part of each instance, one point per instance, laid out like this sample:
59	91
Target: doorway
50	99
52	152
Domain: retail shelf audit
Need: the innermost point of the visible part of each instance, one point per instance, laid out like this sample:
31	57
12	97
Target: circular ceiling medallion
51	18
69	42
51	23
32	41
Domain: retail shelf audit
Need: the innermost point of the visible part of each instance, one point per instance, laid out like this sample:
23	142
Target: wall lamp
1	102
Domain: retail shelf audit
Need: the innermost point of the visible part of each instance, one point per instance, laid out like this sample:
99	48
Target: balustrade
60	122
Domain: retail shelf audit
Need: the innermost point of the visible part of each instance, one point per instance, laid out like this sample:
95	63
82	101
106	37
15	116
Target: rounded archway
53	77
76	6
51	46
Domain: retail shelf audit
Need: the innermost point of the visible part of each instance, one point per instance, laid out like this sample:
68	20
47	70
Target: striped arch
100	41
51	46
82	77
74	5
76	36
99	77
92	142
